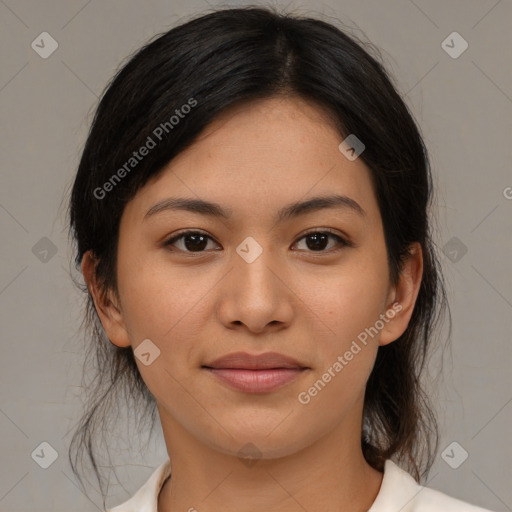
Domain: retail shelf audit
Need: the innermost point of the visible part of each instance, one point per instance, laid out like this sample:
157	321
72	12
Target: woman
250	217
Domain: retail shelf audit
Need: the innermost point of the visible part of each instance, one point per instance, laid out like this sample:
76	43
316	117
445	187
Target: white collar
399	492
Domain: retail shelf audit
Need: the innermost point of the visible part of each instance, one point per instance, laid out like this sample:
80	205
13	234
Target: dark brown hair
228	57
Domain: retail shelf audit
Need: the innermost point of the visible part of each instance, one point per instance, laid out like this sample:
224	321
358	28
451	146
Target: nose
257	295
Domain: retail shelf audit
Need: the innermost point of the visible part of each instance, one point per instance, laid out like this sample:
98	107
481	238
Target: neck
329	475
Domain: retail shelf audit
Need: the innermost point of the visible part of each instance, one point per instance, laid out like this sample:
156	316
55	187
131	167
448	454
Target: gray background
464	108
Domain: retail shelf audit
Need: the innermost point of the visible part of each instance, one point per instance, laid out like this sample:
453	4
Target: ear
402	297
106	304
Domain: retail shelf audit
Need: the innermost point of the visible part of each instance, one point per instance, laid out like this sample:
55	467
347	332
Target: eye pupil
318	239
199	241
194	241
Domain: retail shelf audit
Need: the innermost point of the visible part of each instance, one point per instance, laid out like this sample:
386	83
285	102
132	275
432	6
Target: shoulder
399	491
146	498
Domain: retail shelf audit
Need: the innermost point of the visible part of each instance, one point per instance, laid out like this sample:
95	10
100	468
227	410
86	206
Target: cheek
346	307
167	305
161	308
332	394
157	299
348	300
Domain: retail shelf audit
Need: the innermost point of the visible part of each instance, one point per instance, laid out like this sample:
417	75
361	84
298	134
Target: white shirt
398	492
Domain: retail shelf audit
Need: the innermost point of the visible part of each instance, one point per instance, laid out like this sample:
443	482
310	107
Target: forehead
256	157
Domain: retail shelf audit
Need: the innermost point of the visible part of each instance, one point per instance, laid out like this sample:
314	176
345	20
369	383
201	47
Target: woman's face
255	283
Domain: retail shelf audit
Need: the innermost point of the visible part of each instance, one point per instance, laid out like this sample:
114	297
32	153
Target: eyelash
342	241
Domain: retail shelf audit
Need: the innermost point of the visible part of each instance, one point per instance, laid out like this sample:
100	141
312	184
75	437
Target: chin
253	449
262	440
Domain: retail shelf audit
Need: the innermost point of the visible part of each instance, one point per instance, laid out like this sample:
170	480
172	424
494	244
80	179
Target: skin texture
304	303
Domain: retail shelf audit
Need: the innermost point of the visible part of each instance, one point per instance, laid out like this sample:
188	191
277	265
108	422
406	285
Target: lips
244	361
261	373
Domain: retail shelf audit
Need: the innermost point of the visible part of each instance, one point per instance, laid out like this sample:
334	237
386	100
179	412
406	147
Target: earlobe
405	294
109	311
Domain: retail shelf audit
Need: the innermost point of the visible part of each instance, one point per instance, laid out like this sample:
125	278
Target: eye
197	241
191	241
316	241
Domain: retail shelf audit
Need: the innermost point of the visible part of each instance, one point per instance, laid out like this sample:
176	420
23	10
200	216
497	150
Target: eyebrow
295	209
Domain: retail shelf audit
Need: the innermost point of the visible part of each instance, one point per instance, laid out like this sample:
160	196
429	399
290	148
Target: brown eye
197	241
191	241
317	241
